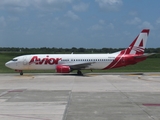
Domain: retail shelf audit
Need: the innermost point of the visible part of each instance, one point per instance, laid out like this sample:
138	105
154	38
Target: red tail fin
139	44
133	53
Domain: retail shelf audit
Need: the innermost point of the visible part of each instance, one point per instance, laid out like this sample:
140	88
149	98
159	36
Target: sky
78	23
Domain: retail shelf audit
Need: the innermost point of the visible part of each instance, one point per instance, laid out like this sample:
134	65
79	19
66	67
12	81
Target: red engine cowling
62	69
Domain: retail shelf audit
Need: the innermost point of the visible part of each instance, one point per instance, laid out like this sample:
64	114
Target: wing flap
76	66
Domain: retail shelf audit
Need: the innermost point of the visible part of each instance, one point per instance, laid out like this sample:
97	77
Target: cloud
134	21
96	27
111	5
102	21
22	5
48	5
16	3
59	23
102	25
111	26
158	21
126	33
81	7
72	15
13	19
146	24
2	21
133	13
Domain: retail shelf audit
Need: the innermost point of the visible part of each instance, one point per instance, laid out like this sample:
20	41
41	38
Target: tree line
70	50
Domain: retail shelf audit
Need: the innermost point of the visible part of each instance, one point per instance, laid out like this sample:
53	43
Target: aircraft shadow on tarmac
95	74
83	75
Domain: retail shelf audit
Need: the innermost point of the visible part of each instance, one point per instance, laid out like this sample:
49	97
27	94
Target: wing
75	66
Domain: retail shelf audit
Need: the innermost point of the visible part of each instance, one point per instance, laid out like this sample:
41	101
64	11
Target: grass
149	65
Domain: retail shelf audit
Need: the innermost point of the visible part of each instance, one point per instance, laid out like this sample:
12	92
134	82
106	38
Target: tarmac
112	96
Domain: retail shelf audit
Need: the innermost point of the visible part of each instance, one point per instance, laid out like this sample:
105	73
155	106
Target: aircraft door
25	61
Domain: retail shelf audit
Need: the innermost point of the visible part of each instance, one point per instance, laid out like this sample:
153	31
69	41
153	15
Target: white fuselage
50	61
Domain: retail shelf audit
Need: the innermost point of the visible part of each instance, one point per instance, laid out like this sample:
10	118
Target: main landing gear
21	72
79	72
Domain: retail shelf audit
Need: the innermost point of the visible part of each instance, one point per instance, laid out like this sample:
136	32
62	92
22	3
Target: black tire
21	73
79	72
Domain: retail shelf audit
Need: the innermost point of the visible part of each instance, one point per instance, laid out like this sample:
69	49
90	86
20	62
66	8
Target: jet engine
62	69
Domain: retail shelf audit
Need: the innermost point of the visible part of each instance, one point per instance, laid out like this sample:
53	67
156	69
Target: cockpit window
14	59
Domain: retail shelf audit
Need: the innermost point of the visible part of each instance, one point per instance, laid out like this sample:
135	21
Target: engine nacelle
62	69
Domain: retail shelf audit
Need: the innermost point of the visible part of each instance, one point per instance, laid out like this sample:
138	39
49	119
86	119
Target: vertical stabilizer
139	44
133	54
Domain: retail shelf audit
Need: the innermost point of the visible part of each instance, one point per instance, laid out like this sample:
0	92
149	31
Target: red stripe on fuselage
117	61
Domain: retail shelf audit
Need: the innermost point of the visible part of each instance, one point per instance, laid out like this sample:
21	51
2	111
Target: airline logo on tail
139	50
139	44
136	48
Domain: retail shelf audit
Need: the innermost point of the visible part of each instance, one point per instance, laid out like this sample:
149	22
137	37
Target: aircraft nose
7	64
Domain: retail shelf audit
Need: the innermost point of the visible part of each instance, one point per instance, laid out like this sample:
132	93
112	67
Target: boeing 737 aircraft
65	63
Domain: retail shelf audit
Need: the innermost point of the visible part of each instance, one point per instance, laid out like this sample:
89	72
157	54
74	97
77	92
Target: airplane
66	63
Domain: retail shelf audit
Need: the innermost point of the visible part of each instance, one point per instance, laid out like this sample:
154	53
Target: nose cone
7	64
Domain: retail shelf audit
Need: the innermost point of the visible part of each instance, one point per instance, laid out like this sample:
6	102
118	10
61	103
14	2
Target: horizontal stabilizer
144	55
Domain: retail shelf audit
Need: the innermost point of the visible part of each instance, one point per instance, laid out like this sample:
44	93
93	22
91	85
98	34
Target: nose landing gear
20	72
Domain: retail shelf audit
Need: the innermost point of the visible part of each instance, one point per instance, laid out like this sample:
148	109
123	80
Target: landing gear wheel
21	72
79	72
